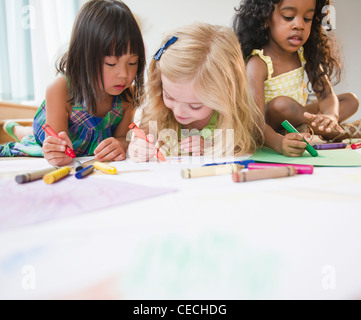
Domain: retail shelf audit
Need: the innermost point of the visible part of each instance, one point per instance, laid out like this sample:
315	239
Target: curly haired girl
281	41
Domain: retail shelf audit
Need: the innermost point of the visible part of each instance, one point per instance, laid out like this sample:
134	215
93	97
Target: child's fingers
52	144
317	122
111	150
294	136
102	145
113	155
143	146
57	158
120	157
151	138
331	126
141	151
294	149
295	144
293	153
64	136
316	119
310	116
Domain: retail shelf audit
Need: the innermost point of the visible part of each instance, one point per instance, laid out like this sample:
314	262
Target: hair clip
162	49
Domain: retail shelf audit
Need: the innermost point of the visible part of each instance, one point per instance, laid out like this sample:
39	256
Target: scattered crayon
263	174
32	176
104	168
210	171
57	175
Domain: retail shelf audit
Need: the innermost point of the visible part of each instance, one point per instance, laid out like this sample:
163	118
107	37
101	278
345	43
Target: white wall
160	16
348	28
157	17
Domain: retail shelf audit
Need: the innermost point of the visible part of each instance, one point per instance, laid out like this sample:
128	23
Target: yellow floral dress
291	84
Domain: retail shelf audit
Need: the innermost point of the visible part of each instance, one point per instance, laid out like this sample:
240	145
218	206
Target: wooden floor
22	114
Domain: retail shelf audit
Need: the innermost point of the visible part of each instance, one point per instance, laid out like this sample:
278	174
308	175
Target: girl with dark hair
281	41
92	102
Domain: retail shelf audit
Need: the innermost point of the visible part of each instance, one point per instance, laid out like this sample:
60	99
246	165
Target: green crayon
290	128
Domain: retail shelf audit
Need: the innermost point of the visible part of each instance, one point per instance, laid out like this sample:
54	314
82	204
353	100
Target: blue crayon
83	173
244	163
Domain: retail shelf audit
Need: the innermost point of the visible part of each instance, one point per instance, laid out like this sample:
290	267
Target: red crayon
300	168
68	151
356	146
140	134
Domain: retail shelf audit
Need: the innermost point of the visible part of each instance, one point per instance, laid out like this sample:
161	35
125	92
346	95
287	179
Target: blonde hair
211	56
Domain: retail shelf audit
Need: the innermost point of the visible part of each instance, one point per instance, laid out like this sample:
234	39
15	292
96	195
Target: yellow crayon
104	168
56	175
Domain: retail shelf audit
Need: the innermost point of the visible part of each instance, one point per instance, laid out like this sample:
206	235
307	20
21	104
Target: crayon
57	175
301	168
272	173
32	176
210	171
104	168
140	134
83	173
78	166
68	151
329	146
244	163
355	146
290	128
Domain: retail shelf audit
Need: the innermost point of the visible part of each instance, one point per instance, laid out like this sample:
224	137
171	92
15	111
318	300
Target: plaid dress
85	132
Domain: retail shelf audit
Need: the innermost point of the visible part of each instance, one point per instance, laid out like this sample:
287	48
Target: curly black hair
320	50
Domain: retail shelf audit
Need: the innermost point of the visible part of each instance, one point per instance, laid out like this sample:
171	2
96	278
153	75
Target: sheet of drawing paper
326	158
37	202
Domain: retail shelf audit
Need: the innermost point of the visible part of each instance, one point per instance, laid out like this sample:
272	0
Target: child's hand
54	150
324	122
110	149
293	144
194	145
141	151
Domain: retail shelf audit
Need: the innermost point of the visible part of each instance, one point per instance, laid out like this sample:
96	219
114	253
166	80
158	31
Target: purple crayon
328	146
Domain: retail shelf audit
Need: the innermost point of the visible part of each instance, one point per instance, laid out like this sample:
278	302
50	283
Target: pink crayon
301	168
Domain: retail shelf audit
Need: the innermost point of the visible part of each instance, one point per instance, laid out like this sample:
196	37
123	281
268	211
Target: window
34	33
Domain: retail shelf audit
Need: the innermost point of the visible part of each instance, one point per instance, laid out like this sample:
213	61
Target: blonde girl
197	82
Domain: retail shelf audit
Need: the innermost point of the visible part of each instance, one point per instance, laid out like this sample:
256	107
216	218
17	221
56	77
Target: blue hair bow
158	55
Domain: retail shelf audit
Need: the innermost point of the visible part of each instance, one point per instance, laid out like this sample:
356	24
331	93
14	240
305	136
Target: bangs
122	34
122	42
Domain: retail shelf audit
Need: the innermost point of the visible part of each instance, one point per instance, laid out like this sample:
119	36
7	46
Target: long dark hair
102	28
320	50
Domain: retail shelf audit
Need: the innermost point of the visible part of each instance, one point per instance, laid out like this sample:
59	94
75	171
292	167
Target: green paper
326	158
